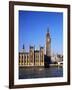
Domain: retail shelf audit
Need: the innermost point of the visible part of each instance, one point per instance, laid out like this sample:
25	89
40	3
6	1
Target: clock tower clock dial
48	39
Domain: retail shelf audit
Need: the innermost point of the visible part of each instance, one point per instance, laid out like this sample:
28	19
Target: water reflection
26	73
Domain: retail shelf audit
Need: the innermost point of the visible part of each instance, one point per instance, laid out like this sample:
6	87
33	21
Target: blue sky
33	26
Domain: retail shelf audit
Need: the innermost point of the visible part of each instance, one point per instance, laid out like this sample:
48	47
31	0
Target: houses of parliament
36	57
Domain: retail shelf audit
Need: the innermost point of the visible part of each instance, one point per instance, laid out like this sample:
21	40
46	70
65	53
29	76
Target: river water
28	73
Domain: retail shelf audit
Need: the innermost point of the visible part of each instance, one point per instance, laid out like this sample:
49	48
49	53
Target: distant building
57	58
36	57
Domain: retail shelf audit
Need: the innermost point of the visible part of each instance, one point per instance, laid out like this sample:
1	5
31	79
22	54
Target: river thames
28	73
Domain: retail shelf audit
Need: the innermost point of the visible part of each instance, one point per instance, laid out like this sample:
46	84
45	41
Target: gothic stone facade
35	57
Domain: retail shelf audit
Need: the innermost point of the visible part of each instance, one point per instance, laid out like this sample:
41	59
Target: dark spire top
48	34
48	30
23	46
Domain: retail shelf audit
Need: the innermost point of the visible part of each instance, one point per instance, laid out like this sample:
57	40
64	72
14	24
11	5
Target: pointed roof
48	30
23	46
48	34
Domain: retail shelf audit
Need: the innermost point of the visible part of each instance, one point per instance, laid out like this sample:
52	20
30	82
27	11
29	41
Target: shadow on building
47	61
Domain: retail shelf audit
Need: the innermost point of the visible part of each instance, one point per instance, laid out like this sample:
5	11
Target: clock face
48	39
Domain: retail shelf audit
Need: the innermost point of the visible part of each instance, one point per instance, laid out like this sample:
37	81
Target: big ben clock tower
48	44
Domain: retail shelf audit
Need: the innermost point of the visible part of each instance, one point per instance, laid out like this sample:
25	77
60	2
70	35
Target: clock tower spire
48	43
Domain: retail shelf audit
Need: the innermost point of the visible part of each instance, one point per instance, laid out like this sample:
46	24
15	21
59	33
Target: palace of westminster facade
35	57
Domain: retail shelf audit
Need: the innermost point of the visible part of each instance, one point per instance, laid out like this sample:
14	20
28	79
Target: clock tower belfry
48	44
